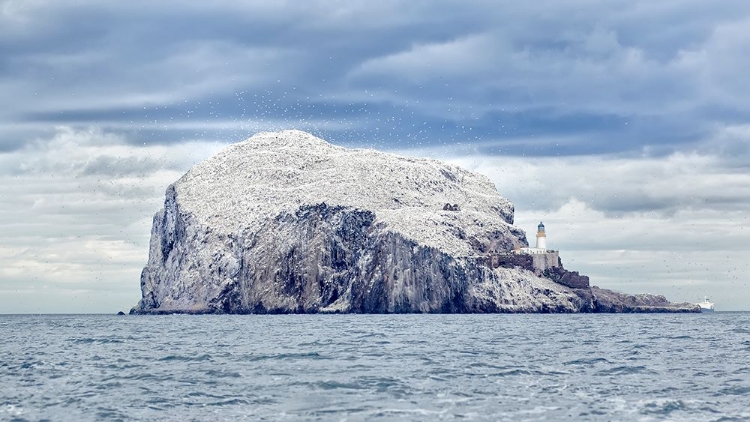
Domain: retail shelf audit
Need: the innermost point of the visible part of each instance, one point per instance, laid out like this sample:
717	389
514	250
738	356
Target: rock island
288	223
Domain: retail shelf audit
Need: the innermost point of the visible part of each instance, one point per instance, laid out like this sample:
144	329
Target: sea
600	367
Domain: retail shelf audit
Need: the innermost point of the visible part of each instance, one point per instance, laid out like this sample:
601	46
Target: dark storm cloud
391	74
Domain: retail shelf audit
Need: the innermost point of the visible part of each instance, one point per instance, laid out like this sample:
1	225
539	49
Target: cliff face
285	222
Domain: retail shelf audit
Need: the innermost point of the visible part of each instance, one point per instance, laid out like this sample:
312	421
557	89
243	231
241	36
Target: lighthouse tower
541	237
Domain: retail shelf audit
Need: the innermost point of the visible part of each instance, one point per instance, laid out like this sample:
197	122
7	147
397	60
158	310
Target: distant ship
706	306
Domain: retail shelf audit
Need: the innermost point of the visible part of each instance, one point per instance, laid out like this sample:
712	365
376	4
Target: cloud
714	66
579	70
77	212
187	70
711	176
441	73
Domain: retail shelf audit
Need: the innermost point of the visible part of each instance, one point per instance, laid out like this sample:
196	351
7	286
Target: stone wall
544	261
537	263
507	260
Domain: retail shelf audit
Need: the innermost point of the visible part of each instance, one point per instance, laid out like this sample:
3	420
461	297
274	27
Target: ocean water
376	367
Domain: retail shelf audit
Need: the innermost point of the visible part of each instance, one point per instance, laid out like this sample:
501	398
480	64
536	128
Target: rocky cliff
285	222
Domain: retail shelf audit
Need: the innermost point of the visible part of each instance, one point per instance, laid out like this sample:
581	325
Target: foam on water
376	367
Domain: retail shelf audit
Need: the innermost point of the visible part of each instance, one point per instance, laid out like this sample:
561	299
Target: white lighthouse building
541	237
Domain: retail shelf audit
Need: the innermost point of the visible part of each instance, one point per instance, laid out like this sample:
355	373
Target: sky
623	125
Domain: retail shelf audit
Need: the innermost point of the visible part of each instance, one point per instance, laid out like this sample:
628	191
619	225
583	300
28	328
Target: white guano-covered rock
286	222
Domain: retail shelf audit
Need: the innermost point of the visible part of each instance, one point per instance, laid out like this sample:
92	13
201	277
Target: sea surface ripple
375	367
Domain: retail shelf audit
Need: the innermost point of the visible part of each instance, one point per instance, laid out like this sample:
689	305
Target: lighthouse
541	257
541	237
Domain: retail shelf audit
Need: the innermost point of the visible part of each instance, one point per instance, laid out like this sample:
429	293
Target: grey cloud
619	185
417	62
107	165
